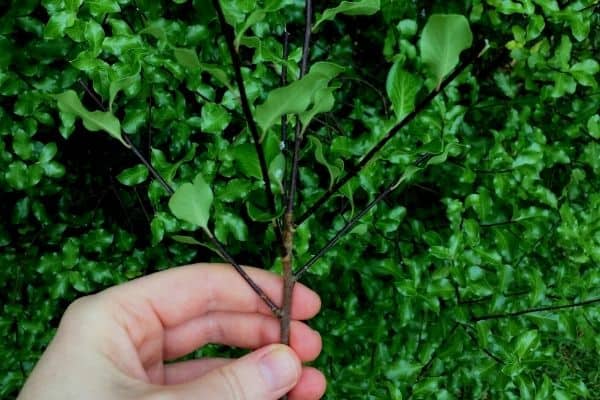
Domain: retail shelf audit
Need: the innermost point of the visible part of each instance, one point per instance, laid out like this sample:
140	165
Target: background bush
510	221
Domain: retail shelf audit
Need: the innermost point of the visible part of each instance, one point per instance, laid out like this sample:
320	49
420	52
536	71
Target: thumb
266	374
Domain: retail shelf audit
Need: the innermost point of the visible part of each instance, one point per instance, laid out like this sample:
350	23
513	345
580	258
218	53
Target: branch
491	355
221	249
537	309
288	227
257	289
355	170
132	147
237	67
347	227
427	365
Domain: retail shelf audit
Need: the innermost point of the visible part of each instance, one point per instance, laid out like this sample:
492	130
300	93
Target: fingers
186	371
181	294
266	374
311	384
240	330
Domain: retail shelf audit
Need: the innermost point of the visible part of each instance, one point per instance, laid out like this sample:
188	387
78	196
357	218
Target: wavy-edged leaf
444	37
191	202
68	102
363	7
296	97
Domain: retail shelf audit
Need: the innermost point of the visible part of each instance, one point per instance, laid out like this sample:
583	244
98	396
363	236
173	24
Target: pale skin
115	344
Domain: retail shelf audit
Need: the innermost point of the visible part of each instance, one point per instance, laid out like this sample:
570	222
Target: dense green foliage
416	299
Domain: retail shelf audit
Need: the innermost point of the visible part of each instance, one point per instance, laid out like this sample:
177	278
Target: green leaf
593	126
253	19
333	170
363	7
214	118
297	96
186	240
58	23
133	176
402	88
230	224
323	102
444	37
525	342
187	58
68	102
245	156
123	83
585	71
191	202
100	7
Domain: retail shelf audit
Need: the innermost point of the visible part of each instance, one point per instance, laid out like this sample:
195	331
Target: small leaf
100	7
297	96
253	19
186	240
68	102
525	342
187	58
245	157
364	7
191	202
402	88
58	23
334	170
133	176
585	71
323	102
443	39
593	126
122	83
214	118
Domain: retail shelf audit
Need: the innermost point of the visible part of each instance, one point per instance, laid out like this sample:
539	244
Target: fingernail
278	368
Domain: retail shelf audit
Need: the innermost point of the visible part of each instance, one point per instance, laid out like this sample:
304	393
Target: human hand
113	345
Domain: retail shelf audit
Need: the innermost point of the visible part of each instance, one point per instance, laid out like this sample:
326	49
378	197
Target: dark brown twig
237	68
221	249
355	170
534	310
347	227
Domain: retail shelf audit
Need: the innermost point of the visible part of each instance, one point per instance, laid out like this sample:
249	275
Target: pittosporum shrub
433	165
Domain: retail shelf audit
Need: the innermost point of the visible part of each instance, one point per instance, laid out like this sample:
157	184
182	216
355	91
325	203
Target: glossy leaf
133	176
360	7
191	202
68	102
297	96
443	38
402	88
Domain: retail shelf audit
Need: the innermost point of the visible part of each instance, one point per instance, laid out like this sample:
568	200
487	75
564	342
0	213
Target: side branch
355	170
349	225
237	67
169	189
534	310
425	368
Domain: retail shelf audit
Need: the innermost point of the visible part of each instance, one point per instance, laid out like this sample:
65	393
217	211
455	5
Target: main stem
288	227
